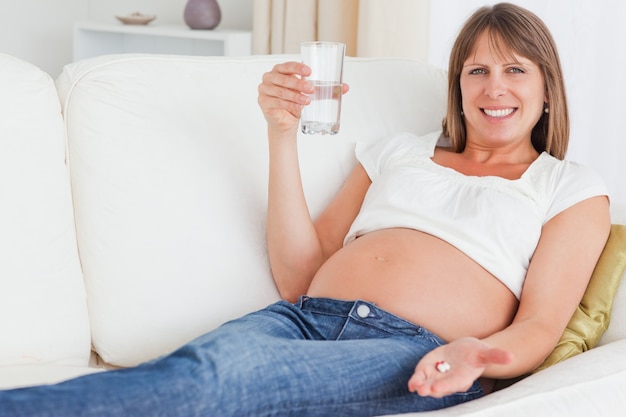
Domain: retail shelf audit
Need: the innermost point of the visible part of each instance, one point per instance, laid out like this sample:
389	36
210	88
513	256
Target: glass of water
322	115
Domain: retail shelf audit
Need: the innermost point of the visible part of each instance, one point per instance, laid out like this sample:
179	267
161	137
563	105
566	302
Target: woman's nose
495	86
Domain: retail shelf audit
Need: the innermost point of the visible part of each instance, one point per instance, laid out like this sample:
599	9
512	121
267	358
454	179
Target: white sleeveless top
495	221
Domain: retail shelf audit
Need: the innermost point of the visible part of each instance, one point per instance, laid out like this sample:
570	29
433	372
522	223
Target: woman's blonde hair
512	29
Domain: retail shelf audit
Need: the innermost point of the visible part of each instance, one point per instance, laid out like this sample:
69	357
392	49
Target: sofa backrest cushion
169	172
43	310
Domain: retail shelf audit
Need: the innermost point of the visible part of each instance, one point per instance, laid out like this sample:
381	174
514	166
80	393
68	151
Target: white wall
40	31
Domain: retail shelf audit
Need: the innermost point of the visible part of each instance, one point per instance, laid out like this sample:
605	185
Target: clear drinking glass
322	115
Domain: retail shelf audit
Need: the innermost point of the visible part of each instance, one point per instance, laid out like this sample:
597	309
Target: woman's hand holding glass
283	93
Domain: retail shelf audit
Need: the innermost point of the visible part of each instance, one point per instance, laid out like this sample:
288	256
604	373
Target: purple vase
202	14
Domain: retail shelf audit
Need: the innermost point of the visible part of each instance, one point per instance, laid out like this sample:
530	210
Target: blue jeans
318	357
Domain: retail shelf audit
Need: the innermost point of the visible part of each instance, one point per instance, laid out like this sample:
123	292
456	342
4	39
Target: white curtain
368	27
591	38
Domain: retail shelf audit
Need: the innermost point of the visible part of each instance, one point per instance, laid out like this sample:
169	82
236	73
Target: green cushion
591	318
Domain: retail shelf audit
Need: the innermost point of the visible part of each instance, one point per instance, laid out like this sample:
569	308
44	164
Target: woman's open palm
468	357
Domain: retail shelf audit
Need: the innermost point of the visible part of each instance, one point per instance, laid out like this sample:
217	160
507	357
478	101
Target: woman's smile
499	113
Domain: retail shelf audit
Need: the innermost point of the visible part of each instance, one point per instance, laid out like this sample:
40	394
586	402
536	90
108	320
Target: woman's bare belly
421	278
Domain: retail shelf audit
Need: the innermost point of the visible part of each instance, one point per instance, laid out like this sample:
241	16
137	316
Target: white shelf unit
94	39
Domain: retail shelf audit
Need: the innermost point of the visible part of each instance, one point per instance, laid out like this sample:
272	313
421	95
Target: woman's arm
297	247
558	275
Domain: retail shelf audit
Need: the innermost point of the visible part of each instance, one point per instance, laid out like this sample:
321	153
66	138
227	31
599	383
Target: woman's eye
478	71
516	70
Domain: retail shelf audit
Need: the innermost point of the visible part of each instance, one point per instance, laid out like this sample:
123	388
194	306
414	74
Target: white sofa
133	205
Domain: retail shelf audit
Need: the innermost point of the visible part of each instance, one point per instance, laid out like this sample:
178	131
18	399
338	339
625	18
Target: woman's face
502	97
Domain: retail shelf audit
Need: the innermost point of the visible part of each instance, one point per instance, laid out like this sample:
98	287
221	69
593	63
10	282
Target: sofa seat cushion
43	308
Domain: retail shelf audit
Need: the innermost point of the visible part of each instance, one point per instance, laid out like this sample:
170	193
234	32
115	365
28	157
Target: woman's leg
317	358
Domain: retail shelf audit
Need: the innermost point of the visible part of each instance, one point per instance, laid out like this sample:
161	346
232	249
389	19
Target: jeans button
363	311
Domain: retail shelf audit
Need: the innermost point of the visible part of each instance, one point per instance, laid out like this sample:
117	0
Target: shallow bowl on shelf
136	19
